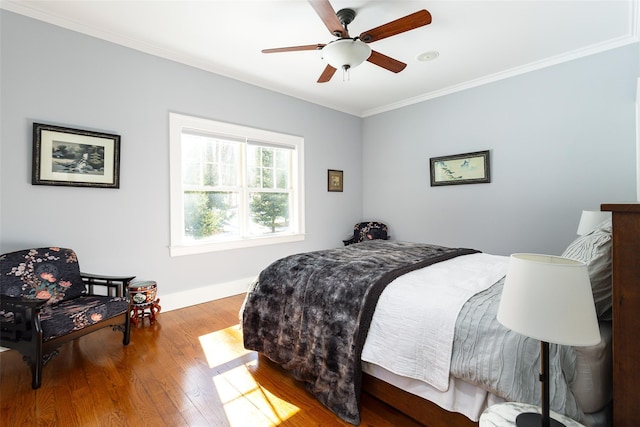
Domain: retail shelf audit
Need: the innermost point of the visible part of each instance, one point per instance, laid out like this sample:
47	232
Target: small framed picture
467	168
75	157
335	180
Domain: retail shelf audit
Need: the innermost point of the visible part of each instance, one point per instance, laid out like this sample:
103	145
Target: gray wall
55	76
562	139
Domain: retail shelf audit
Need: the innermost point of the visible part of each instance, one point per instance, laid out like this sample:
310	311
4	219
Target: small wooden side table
504	415
143	301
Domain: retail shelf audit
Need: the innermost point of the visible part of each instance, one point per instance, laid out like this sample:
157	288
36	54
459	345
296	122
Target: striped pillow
594	249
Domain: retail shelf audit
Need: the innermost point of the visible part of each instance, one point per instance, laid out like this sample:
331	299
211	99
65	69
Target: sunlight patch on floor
245	400
223	346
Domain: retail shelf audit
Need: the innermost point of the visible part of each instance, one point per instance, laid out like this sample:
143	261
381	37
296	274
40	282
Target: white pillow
594	249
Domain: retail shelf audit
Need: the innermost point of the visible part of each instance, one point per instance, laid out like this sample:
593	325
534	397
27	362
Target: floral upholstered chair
45	301
371	230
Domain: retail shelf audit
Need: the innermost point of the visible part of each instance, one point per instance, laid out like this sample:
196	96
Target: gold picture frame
335	180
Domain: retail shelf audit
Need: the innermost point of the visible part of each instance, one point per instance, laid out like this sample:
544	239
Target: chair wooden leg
127	330
36	374
37	361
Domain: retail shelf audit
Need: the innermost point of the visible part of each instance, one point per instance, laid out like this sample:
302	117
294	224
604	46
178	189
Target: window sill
199	248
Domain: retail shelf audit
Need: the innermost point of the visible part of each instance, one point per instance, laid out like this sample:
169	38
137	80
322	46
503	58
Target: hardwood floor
188	369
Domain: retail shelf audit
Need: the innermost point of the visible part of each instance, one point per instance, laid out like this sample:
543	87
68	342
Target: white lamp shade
345	53
549	298
590	220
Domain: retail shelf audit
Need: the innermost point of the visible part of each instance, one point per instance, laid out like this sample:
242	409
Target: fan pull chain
346	72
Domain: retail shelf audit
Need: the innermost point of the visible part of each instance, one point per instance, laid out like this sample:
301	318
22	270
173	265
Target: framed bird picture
467	168
75	157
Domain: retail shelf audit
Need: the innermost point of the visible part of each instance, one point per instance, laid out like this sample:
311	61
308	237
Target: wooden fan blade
325	11
294	48
326	75
386	62
409	22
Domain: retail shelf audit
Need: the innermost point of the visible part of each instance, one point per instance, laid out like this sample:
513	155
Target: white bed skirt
461	396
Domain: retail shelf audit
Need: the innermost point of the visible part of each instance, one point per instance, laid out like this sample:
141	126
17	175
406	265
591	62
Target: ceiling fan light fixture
345	53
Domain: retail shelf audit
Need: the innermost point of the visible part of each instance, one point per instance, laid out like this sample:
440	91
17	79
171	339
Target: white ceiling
478	41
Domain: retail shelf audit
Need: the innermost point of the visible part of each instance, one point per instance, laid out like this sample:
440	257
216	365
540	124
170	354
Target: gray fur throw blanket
311	312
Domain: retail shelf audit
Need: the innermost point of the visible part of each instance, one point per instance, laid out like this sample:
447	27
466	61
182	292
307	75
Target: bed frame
626	306
626	347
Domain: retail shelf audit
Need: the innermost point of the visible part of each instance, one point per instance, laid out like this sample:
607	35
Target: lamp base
532	419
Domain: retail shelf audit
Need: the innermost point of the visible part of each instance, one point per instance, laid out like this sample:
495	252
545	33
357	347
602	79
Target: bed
414	325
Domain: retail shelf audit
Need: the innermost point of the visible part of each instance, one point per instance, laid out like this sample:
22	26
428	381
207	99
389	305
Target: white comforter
416	338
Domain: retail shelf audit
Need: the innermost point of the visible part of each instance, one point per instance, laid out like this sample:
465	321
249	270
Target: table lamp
589	220
548	298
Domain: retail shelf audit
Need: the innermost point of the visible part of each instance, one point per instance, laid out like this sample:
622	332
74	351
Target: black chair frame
23	332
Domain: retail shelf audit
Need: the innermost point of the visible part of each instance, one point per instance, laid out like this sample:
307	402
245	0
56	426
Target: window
233	186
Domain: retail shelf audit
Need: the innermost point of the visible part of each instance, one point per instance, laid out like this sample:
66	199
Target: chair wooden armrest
115	286
7	301
20	317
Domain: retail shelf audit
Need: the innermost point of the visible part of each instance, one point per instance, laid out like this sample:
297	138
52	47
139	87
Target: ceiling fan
347	52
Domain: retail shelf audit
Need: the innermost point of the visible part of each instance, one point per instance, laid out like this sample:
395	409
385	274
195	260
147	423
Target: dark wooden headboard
626	312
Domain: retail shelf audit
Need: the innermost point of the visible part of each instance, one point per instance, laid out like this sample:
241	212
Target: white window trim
176	123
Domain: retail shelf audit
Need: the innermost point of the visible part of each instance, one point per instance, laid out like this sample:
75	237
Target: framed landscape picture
467	168
75	157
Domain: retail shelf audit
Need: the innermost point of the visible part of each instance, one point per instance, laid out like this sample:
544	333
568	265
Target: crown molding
548	62
633	36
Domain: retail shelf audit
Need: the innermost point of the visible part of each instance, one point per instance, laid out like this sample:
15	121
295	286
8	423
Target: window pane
229	152
191	174
269	167
267	178
253	155
254	177
210	150
208	214
228	175
209	161
282	179
210	174
283	158
269	213
267	157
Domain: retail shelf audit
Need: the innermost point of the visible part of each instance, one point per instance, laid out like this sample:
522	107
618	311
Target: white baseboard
208	293
184	299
